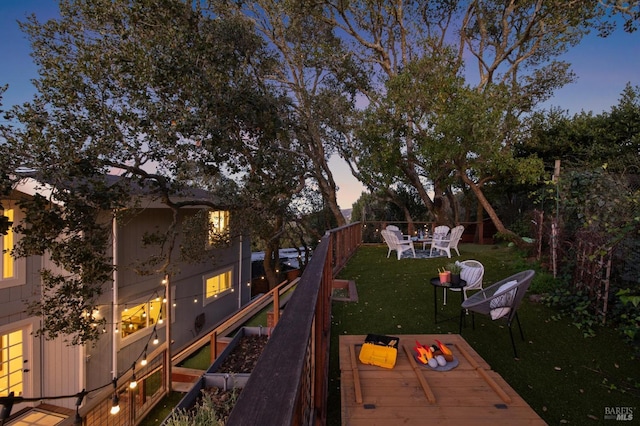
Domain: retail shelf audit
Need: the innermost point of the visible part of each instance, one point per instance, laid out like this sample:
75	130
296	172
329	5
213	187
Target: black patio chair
500	301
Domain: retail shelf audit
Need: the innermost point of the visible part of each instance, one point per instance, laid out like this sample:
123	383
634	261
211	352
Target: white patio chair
472	272
399	245
449	242
398	233
439	234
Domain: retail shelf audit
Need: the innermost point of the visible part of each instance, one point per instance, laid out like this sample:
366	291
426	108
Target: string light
115	402
7	402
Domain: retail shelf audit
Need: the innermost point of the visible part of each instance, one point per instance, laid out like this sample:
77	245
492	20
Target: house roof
150	191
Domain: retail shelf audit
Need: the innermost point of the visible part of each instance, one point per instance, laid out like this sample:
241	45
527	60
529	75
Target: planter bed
229	372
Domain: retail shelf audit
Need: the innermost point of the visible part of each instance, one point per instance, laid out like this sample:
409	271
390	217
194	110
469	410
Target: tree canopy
159	92
251	99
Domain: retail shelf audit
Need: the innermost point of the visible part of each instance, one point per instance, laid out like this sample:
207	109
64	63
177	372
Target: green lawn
566	378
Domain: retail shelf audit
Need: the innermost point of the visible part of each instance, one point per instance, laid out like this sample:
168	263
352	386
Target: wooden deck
410	393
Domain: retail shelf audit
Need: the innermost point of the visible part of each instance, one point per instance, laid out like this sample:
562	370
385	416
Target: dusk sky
603	67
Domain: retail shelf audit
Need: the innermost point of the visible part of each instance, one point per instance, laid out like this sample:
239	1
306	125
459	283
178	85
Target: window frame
215	230
148	329
25	355
19	264
227	270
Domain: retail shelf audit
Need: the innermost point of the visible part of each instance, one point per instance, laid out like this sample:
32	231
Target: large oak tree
163	94
511	48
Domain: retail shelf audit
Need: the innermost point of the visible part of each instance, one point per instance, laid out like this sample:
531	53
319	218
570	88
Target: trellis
592	273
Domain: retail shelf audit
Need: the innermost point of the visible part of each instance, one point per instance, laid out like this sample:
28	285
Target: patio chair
500	300
449	242
472	272
399	245
439	234
398	233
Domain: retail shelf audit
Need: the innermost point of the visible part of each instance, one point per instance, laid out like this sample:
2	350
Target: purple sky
603	67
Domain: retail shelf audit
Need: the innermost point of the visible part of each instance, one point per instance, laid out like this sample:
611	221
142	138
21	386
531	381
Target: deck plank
471	393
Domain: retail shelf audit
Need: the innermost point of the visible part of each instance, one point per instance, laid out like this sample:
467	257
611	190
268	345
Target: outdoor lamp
133	384
115	406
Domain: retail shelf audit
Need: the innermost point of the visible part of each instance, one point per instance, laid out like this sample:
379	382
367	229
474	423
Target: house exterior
134	307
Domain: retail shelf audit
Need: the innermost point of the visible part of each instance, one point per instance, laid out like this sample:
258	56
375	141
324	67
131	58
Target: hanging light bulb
115	402
134	383
144	359
115	405
155	338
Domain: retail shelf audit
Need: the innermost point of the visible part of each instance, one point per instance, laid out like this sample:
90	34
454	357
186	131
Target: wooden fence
481	232
289	384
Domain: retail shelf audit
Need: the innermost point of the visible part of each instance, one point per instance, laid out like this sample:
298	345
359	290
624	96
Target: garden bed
223	381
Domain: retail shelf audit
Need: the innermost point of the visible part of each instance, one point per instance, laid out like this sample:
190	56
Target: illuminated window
218	226
217	285
12	271
7	262
139	317
11	363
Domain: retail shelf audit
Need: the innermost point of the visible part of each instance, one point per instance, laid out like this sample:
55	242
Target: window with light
7	262
217	284
12	270
142	316
218	227
11	363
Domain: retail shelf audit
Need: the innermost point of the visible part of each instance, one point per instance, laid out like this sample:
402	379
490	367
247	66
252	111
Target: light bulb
115	407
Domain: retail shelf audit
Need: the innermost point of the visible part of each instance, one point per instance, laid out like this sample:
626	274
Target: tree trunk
487	206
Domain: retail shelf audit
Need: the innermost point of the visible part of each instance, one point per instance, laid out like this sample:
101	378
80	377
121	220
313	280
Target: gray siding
186	283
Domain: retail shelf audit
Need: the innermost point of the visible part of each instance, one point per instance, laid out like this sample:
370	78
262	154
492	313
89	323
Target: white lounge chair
439	233
399	245
449	242
398	233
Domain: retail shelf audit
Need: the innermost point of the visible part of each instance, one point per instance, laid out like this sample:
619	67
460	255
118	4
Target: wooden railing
481	232
289	384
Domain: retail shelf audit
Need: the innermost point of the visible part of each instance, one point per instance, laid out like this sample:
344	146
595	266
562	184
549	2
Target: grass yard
565	378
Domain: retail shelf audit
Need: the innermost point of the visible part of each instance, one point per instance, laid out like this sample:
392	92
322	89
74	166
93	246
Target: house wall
187	287
63	369
58	369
